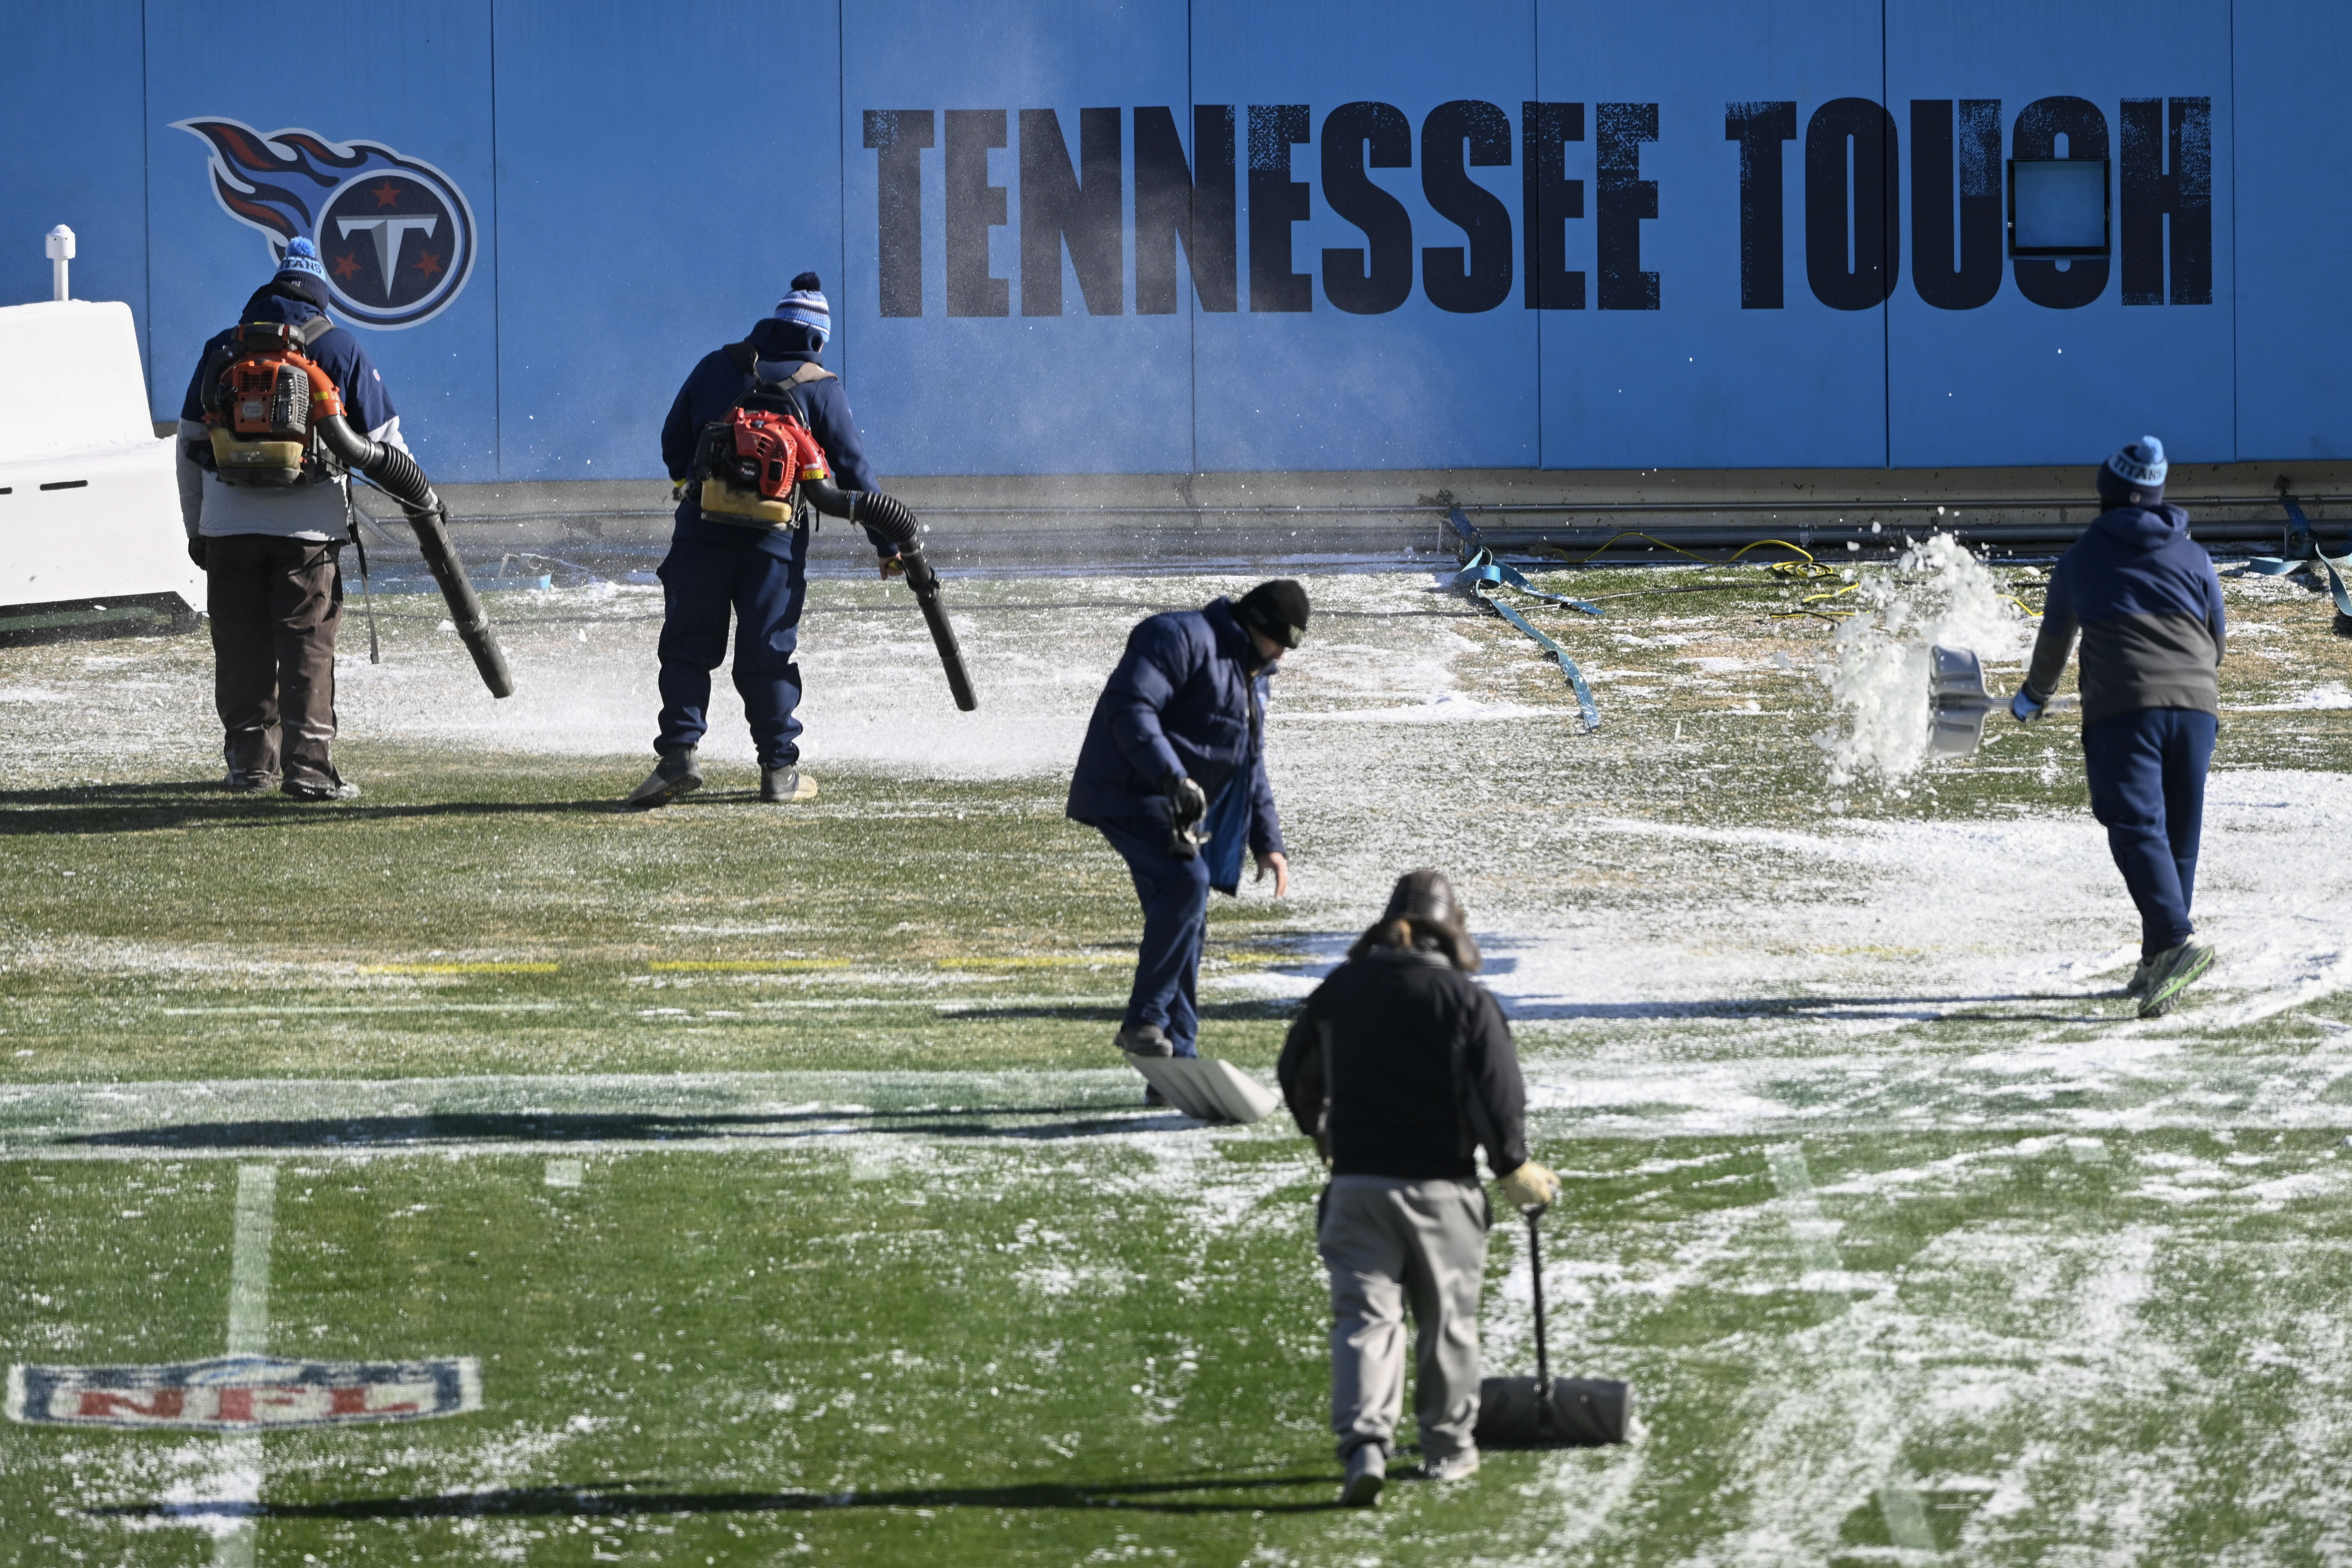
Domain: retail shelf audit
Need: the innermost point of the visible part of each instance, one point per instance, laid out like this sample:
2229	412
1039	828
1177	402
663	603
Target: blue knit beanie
805	307
2134	477
302	256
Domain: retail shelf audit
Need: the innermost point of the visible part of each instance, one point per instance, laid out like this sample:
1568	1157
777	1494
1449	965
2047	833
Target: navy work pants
704	584
2147	789
1175	897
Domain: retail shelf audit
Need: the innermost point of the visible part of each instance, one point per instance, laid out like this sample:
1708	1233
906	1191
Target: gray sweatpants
1388	1242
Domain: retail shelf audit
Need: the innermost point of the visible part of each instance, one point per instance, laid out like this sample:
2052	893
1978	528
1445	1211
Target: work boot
1367	1472
675	774
2173	971
315	788
237	782
1152	1099
1145	1040
785	783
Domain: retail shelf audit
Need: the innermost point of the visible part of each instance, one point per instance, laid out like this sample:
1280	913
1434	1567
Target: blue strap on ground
2300	535
1476	581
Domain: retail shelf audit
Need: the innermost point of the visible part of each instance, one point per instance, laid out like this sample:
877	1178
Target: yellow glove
892	566
677	489
1531	1186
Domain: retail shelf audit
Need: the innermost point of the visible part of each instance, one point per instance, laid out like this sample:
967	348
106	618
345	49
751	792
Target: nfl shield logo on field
244	1393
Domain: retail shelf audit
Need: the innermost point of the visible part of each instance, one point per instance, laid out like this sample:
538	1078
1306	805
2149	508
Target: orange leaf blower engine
263	400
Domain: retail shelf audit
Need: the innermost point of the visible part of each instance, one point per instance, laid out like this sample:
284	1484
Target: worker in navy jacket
720	567
2148	606
1173	772
273	587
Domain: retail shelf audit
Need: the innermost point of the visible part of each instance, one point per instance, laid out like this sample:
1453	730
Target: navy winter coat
1183	703
711	390
2144	596
367	405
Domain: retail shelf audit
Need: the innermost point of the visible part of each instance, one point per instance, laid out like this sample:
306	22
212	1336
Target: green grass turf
961	1351
914	1282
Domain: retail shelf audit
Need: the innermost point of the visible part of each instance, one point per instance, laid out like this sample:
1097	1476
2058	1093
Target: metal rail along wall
1065	237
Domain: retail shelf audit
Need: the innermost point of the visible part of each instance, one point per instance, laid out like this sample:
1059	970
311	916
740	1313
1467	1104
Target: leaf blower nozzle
396	474
890	517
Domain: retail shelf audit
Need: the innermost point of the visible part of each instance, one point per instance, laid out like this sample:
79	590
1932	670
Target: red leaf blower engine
758	465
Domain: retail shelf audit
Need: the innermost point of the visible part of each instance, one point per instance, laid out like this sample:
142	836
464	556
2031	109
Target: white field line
1898	1499
248	1334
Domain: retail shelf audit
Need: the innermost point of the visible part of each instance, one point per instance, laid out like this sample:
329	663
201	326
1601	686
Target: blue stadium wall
1555	234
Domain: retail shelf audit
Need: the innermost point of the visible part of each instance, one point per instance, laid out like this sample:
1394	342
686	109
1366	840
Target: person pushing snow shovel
2148	605
1173	772
1401	1067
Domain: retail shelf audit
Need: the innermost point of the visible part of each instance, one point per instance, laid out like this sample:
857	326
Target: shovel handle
1535	1278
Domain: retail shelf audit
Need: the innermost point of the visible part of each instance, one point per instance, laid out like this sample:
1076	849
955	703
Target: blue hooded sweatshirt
2145	600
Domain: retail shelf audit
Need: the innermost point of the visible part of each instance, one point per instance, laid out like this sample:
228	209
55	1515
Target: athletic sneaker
1145	1040
675	774
2173	971
1452	1468
1367	1474
2138	986
785	783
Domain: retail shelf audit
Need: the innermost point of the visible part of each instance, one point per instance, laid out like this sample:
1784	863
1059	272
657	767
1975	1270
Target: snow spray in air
1937	592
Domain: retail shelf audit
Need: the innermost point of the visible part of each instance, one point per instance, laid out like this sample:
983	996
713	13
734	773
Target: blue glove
2022	707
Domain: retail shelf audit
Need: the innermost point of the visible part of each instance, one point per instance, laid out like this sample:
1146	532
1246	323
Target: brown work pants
274	604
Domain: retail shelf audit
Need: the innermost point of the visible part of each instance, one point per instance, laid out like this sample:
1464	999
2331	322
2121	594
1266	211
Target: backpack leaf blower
270	410
757	465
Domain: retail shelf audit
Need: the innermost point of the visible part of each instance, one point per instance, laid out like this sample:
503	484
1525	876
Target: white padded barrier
89	507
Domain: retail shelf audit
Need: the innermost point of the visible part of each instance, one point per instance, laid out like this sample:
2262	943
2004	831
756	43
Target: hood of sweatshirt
2143	528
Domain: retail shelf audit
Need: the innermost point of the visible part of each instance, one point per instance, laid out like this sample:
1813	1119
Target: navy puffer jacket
1185	701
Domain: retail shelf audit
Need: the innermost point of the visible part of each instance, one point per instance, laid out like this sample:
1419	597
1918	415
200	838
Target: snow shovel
1206	1089
1545	1412
1958	703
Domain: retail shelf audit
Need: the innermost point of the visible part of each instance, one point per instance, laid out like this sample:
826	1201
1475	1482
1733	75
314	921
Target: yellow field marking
458	968
744	966
1038	961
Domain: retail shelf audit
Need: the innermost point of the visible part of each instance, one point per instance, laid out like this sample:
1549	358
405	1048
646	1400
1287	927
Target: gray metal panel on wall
1700	343
77	155
412	81
654	202
2113	350
963	360
1353	122
2294	173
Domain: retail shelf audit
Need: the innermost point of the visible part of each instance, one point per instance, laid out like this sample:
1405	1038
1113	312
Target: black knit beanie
1277	610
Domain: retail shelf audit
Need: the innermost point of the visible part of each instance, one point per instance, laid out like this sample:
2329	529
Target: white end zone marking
1898	1499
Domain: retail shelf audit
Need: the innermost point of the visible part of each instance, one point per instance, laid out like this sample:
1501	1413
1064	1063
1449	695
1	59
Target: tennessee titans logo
395	233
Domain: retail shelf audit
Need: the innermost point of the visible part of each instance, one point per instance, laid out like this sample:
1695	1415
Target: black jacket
1421	1070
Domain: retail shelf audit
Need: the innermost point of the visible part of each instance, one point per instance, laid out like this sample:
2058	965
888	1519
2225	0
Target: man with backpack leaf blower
760	436
271	430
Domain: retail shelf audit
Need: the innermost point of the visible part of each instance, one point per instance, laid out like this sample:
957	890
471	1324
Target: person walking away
721	565
1400	1067
2148	605
273	587
1172	773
